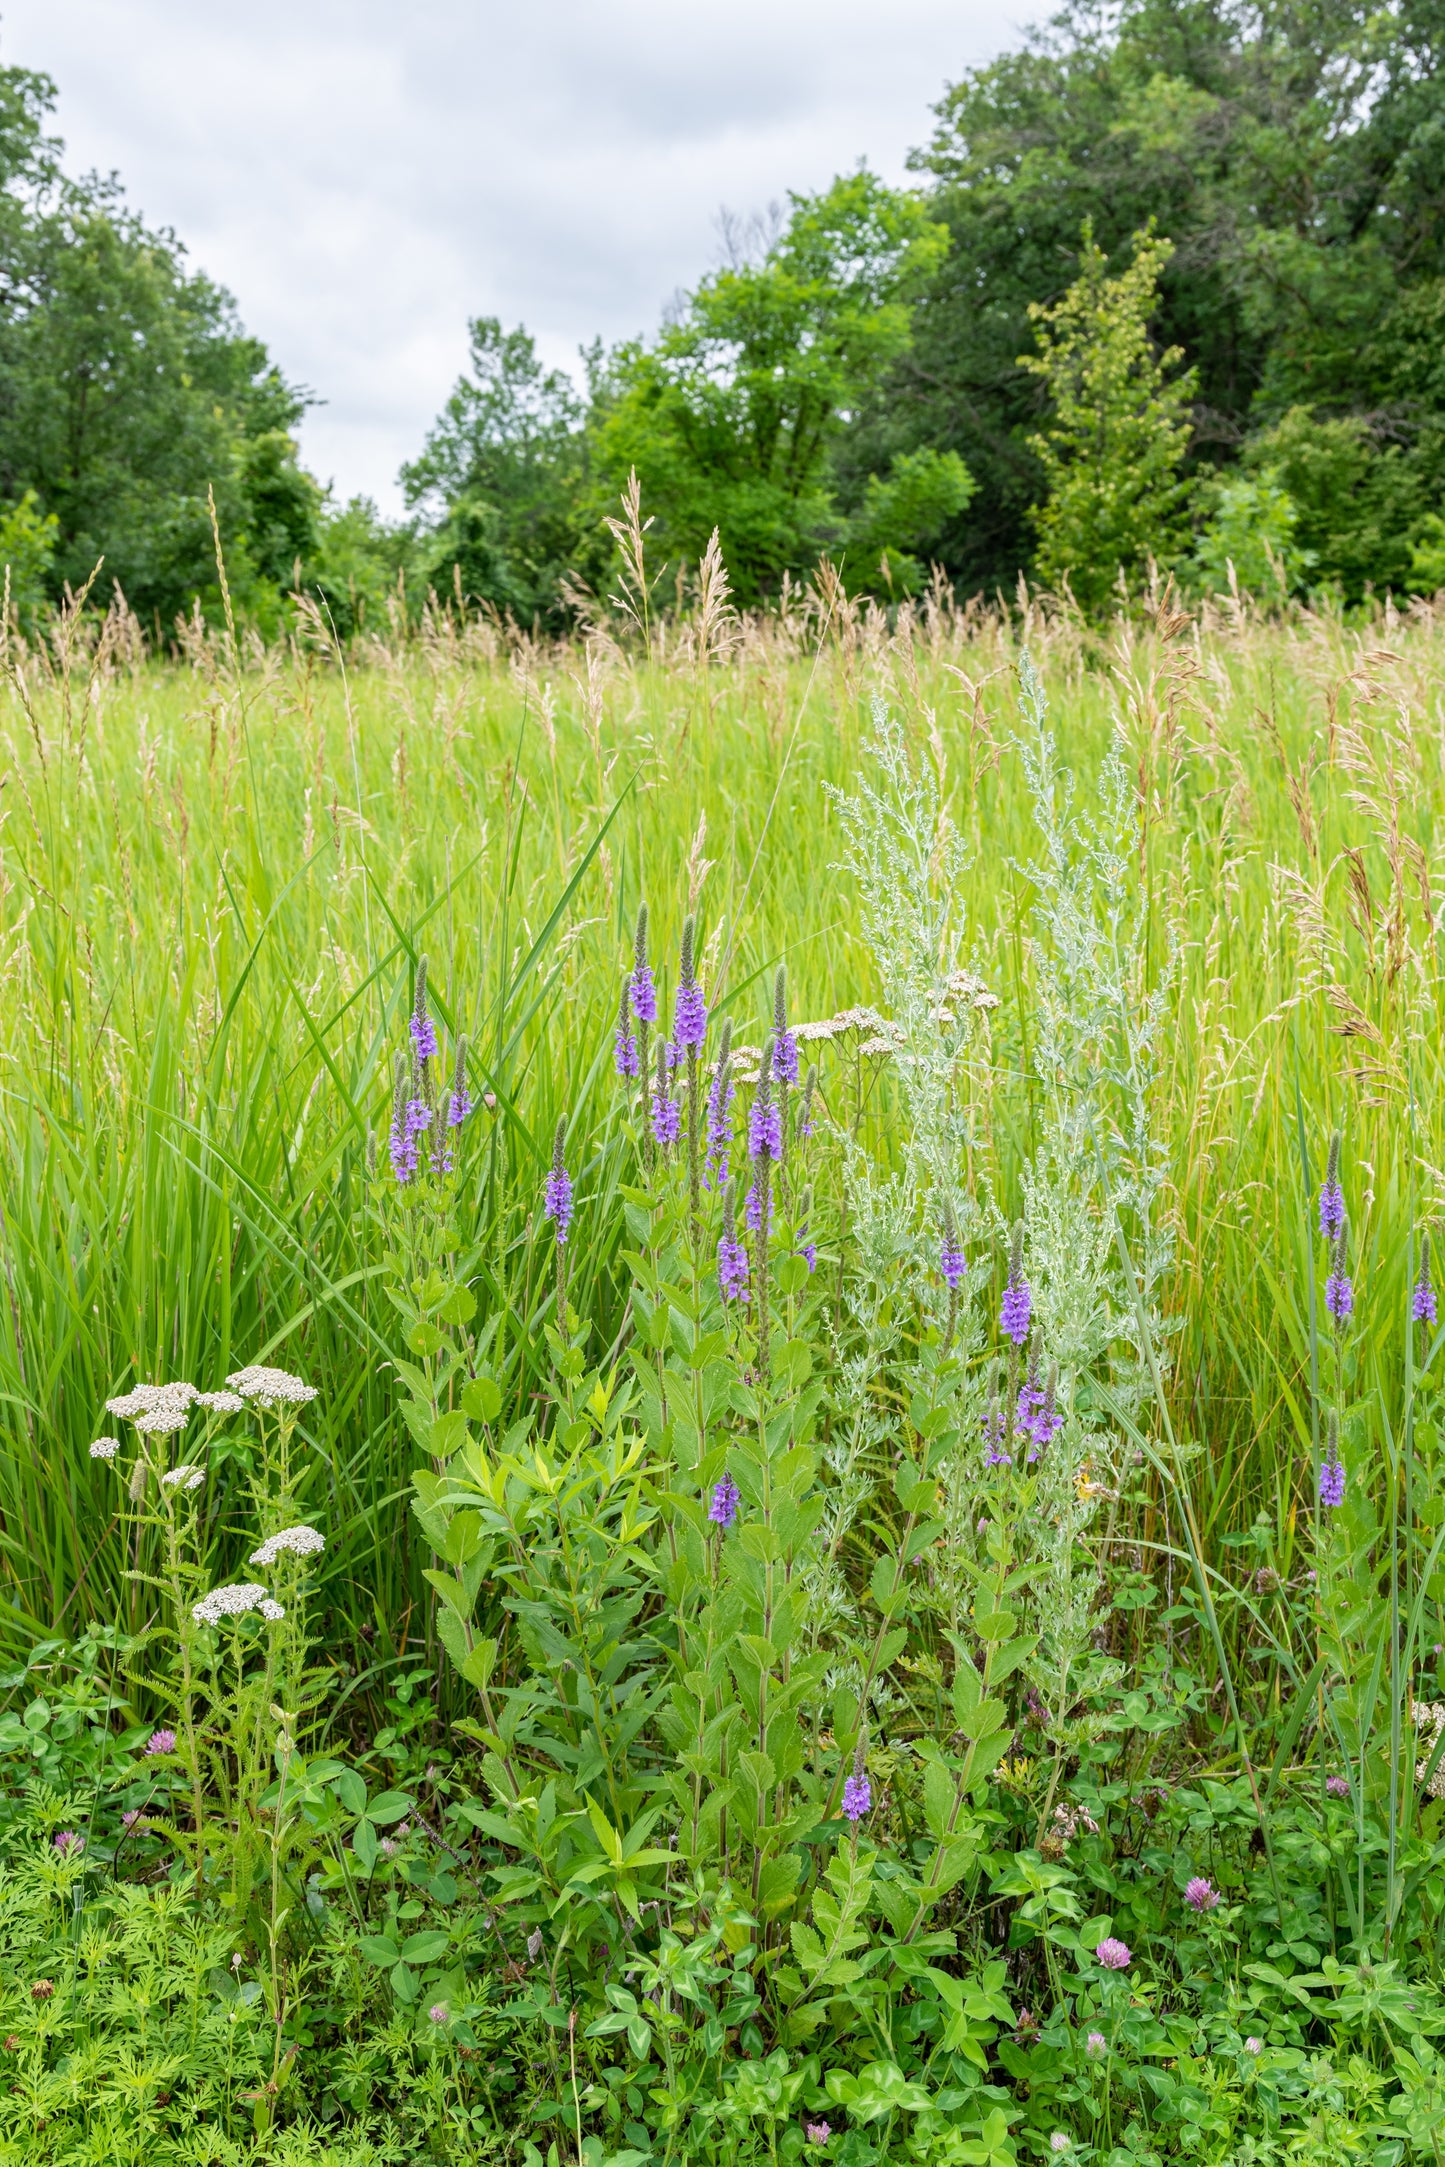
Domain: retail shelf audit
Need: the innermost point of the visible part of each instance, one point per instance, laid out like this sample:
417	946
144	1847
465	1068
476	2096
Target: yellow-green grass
216	880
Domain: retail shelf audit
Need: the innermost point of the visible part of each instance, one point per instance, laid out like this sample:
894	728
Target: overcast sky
365	175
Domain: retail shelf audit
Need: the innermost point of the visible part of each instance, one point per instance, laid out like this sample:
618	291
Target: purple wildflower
1113	1954
810	1092
785	1044
951	1260
438	2012
640	986
1332	1484
129	1818
994	1430
69	1843
1422	1300
723	1508
817	2132
807	1248
161	1741
624	1045
557	1196
765	1126
459	1105
732	1257
1337	1786
1254	2046
753	1210
423	1030
1017	1298
403	1136
1339	1293
1332	1196
666	1118
1200	1895
857	1797
689	1027
1095	2045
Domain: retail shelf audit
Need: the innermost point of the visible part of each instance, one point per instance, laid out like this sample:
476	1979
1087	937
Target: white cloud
366	176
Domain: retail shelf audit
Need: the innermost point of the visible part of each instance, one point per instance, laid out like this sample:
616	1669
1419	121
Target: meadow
220	875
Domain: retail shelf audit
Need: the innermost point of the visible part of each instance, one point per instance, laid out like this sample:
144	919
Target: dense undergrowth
869	1591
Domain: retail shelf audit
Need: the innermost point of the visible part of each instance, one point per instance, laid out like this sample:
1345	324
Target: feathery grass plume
1332	1196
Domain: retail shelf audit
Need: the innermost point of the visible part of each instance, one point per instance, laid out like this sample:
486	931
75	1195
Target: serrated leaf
458	1307
481	1399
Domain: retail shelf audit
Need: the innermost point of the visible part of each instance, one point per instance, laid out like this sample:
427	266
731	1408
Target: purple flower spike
666	1119
1339	1296
557	1196
1201	1895
1422	1300
753	1211
723	1509
1332	1196
690	1021
1332	1484
857	1798
1114	1955
785	1057
423	1037
732	1257
994	1429
644	994
624	1045
1013	1316
459	1106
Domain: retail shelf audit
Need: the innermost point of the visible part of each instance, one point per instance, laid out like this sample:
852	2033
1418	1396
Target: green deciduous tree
732	417
1112	447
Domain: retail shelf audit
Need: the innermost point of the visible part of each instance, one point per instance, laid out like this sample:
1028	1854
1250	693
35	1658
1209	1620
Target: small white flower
303	1542
187	1477
1254	2046
272	1612
221	1403
154	1408
270	1387
1058	2142
105	1448
160	1421
232	1601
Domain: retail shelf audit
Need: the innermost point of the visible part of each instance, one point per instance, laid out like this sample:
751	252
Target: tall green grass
217	879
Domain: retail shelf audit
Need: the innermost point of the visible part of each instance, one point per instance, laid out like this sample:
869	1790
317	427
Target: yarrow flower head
183	1478
105	1448
156	1410
232	1602
689	1026
557	1195
1017	1301
301	1542
640	985
220	1403
624	1043
270	1388
1113	1954
1200	1895
161	1741
1332	1196
1339	1293
1422	1300
732	1257
723	1506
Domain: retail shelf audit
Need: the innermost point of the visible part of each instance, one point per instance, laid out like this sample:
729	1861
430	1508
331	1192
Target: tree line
1169	286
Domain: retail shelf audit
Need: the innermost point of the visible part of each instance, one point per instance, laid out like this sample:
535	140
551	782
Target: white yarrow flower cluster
233	1602
155	1409
270	1387
187	1477
105	1448
303	1542
221	1403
